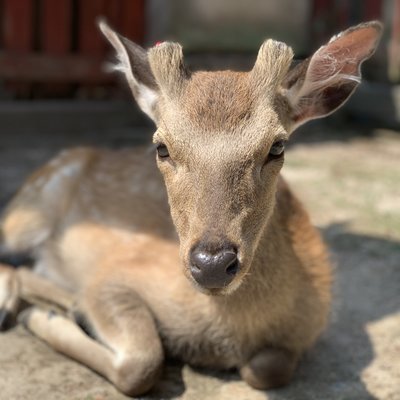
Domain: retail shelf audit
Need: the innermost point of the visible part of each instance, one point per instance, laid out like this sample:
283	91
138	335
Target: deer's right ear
322	83
133	63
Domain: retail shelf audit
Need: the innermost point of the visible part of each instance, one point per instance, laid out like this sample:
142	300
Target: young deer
238	277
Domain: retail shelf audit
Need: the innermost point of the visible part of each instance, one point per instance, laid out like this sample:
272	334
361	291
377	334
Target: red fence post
18	24
56	26
18	35
46	43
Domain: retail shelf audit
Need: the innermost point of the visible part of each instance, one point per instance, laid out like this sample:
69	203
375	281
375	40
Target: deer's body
121	238
254	293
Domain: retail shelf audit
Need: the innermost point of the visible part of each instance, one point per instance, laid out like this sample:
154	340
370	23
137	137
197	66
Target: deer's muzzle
214	268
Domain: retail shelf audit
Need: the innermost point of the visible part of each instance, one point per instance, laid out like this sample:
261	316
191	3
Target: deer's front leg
269	368
23	284
126	348
9	296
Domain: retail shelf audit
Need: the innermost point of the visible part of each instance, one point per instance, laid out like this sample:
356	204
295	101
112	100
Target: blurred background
53	49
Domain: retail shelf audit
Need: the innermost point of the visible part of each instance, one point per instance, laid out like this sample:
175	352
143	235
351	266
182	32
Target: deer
201	251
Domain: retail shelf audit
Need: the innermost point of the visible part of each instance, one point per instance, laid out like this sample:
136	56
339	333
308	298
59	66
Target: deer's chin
222	291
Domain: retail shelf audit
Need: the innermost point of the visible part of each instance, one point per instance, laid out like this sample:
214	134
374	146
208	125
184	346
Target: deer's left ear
134	64
320	84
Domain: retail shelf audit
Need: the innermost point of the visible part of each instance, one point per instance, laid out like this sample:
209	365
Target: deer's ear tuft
167	63
273	61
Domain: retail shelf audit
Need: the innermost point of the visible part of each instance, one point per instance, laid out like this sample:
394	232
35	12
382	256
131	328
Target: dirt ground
350	182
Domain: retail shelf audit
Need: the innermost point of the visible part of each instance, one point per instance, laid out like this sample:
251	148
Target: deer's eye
277	150
162	150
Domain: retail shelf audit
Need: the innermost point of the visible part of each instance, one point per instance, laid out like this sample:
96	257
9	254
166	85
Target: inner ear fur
322	83
160	70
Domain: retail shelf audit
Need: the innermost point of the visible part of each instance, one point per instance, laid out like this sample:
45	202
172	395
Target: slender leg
269	368
23	284
128	350
34	287
65	336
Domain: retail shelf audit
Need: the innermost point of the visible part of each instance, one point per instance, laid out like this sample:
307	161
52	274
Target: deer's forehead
220	103
218	100
219	113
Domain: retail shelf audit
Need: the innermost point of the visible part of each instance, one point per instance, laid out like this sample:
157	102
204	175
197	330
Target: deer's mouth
221	291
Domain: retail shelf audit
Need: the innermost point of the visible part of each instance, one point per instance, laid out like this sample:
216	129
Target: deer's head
220	138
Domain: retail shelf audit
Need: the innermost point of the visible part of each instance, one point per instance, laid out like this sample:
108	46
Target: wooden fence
58	42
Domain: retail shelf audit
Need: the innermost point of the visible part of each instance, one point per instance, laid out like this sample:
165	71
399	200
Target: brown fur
100	224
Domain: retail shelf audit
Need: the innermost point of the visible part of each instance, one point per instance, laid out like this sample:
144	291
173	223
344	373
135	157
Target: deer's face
221	135
220	152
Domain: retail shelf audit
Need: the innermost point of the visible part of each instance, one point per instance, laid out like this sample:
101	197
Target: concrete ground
349	180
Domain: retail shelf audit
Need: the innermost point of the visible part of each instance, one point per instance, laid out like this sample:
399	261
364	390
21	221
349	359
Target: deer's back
86	205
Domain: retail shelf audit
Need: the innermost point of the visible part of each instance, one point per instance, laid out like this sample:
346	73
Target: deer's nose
214	269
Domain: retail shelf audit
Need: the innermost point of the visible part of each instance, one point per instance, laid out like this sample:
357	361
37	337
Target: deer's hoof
269	368
9	297
7	320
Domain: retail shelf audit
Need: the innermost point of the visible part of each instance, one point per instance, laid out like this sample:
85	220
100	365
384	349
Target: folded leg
23	284
35	288
126	347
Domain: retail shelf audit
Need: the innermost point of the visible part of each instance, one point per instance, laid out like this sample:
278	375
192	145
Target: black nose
214	269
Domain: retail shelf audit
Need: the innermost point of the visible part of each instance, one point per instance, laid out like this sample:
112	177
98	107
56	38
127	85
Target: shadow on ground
366	291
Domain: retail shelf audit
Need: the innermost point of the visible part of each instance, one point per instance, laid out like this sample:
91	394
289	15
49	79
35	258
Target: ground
348	179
